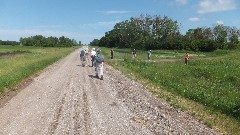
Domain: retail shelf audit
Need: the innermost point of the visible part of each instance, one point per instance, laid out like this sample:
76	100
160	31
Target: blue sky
85	20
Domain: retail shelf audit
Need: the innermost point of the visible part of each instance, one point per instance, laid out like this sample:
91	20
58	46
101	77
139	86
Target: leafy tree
40	40
220	35
8	42
156	32
95	42
143	32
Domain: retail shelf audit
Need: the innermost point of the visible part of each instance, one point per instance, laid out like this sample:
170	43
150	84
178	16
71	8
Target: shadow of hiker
93	76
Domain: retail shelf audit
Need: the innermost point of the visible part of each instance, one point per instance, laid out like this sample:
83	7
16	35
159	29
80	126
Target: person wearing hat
99	59
149	55
93	53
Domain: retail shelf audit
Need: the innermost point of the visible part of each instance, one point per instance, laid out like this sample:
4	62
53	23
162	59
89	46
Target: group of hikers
149	53
134	54
97	61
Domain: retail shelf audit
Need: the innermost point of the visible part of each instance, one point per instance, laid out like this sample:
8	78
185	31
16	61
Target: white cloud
207	6
182	2
47	26
194	19
114	12
109	24
219	22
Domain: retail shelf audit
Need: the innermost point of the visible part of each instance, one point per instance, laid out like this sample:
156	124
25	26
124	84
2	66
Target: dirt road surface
66	99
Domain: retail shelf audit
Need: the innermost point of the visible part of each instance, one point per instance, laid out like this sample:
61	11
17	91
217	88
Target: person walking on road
93	53
83	57
99	59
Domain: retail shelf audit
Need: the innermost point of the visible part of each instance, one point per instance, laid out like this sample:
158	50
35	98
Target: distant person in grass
186	58
111	51
93	54
99	59
134	53
149	55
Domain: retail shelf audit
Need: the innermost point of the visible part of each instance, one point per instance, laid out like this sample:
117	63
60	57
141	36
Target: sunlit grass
16	67
208	87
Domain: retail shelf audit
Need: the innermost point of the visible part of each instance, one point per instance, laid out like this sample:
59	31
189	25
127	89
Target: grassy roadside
207	88
19	62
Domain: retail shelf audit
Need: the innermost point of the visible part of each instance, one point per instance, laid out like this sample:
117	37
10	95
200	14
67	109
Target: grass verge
207	88
18	66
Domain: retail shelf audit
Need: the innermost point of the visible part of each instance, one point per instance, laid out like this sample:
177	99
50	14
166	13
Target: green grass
208	87
25	62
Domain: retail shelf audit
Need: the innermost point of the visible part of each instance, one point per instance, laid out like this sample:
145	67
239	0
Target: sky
86	20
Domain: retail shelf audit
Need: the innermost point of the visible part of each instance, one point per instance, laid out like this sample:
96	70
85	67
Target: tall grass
214	83
17	66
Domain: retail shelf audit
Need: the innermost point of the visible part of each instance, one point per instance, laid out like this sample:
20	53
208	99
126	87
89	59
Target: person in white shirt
93	54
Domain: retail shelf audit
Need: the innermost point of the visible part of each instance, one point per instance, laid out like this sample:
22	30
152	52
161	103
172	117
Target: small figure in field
99	59
149	55
93	54
111	53
186	58
83	57
134	53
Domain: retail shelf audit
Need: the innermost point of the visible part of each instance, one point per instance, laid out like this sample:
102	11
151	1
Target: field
19	62
208	87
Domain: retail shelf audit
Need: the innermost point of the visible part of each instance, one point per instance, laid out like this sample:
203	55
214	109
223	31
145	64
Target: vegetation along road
67	99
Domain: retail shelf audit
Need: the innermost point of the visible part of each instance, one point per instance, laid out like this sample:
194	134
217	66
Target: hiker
149	55
83	57
93	54
87	51
134	53
111	53
186	58
99	59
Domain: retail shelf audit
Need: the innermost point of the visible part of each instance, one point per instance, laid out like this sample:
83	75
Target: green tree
220	35
95	42
143	32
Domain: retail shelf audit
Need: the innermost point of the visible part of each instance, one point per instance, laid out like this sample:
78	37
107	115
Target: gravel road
66	99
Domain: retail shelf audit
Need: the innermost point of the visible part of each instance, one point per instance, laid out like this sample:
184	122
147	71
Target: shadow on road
93	76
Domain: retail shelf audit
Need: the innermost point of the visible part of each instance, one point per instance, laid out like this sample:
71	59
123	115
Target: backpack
82	53
99	58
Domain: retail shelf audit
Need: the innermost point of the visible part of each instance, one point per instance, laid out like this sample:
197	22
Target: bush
203	45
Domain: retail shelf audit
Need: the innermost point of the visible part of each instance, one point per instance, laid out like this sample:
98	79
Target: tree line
42	41
8	42
156	32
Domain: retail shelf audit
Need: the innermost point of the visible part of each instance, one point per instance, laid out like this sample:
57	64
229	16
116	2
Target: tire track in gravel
86	113
70	119
58	112
78	123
